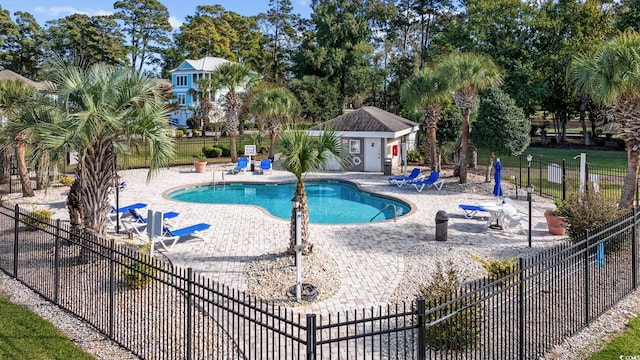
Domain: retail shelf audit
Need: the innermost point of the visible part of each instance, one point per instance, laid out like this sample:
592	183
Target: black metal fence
163	312
555	178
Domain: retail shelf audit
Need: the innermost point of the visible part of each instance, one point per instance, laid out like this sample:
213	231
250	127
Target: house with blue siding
184	78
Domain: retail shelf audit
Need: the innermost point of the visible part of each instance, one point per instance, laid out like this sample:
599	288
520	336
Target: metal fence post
311	336
587	283
189	312
422	329
634	250
540	174
112	286
56	265
521	298
564	179
16	224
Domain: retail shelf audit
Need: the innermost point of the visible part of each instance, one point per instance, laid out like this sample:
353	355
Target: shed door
372	155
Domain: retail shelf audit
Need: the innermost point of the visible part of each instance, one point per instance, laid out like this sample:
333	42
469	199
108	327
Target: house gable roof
206	64
369	119
10	75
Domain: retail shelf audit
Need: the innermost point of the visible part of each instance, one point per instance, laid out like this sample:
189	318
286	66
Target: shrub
139	272
65	180
587	210
226	152
37	220
211	152
461	324
179	133
197	133
499	268
264	150
413	156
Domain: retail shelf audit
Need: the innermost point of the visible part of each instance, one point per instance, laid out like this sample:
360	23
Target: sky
44	10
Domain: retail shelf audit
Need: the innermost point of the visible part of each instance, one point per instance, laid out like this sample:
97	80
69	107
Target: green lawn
25	335
604	158
627	344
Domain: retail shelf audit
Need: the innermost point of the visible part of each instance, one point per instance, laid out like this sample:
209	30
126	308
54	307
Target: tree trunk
456	158
583	122
307	246
487	178
464	145
5	168
631	179
232	147
272	144
42	171
23	173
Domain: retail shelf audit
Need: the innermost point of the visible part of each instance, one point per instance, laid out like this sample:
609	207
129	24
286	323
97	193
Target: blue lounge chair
432	180
175	234
138	222
401	180
243	164
470	210
265	165
125	209
139	219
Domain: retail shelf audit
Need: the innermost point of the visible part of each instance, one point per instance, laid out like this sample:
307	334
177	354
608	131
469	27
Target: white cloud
62	11
175	23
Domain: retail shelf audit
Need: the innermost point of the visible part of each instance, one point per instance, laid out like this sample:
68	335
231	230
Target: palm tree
427	89
105	111
611	75
16	98
275	105
234	78
466	74
301	153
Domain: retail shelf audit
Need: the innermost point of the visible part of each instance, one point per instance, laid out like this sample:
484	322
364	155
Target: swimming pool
330	202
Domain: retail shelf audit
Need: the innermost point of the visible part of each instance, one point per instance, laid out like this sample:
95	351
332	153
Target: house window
181	80
182	99
354	146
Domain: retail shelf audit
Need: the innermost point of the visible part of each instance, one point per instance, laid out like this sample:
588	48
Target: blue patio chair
174	235
243	164
265	165
432	180
470	210
401	180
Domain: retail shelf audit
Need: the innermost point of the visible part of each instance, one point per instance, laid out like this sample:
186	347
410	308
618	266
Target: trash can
387	166
253	166
442	223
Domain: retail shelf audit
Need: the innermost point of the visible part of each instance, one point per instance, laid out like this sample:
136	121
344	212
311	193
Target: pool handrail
395	212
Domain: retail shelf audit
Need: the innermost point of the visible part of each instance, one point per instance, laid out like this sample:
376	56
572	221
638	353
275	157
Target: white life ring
356	160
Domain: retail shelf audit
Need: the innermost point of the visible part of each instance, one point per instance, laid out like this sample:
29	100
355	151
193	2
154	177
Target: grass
626	344
25	335
604	158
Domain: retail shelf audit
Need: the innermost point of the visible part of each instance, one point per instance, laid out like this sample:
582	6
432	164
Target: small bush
139	273
586	210
499	268
413	156
264	150
179	133
211	151
598	141
461	325
197	133
65	180
226	152
37	220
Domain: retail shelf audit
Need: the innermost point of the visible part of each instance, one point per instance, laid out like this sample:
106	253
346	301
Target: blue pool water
330	202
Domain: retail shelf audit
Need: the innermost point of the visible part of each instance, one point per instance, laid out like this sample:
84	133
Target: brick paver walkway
370	256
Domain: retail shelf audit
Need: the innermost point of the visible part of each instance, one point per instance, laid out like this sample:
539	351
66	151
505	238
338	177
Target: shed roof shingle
369	119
